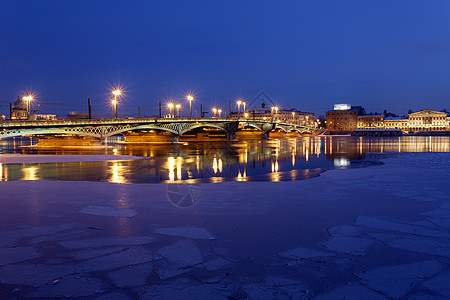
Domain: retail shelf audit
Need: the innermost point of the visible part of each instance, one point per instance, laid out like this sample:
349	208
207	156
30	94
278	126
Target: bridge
101	129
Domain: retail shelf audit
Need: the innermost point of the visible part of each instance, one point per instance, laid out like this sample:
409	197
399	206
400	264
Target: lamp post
170	106
214	111
243	103
219	111
239	102
178	106
116	93
27	100
190	98
293	117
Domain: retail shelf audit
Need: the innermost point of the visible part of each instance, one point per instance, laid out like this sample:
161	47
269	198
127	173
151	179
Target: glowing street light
293	116
190	98
178	106
170	106
116	93
243	103
214	111
239	102
28	99
219	111
246	115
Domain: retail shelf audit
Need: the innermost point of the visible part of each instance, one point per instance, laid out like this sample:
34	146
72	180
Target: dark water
267	160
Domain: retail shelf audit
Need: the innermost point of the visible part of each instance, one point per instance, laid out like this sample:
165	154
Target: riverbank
374	233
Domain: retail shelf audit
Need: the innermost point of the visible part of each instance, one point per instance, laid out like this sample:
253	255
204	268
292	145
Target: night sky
392	55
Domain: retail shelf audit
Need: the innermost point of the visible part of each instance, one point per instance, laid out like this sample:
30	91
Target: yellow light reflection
171	167
179	161
215	165
220	165
117	173
30	173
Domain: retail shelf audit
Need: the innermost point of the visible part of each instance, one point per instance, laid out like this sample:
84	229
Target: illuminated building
19	110
428	120
344	117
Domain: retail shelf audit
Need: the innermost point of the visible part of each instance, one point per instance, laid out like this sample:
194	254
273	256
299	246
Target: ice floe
34	275
73	287
108	211
396	281
439	284
301	253
348	245
17	254
132	275
183	251
127	257
351	291
13	236
188	232
105	242
377	223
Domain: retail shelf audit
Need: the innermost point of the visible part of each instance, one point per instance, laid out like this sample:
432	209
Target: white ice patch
90	253
131	276
106	242
344	230
396	281
439	284
191	292
35	275
131	256
72	287
348	245
301	253
16	254
12	237
183	251
189	232
108	211
377	223
433	247
352	291
215	263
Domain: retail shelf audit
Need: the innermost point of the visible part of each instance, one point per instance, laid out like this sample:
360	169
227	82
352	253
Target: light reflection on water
268	160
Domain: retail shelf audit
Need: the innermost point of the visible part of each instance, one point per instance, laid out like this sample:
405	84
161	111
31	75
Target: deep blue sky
391	55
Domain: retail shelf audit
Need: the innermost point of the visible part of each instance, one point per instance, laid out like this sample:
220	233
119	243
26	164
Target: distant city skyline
380	55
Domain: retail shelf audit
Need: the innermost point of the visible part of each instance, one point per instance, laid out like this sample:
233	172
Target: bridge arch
202	126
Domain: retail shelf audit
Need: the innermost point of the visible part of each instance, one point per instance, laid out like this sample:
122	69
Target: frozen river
376	232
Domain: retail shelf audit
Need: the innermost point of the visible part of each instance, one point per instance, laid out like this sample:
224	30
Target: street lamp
214	111
246	115
243	103
170	106
116	93
190	98
293	117
239	102
178	106
219	111
28	99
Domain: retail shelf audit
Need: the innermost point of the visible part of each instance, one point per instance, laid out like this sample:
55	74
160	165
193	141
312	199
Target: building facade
428	120
371	122
19	110
344	117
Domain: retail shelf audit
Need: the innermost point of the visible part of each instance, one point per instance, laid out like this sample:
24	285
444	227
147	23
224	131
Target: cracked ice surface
72	287
396	281
16	254
189	232
105	242
116	241
109	211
